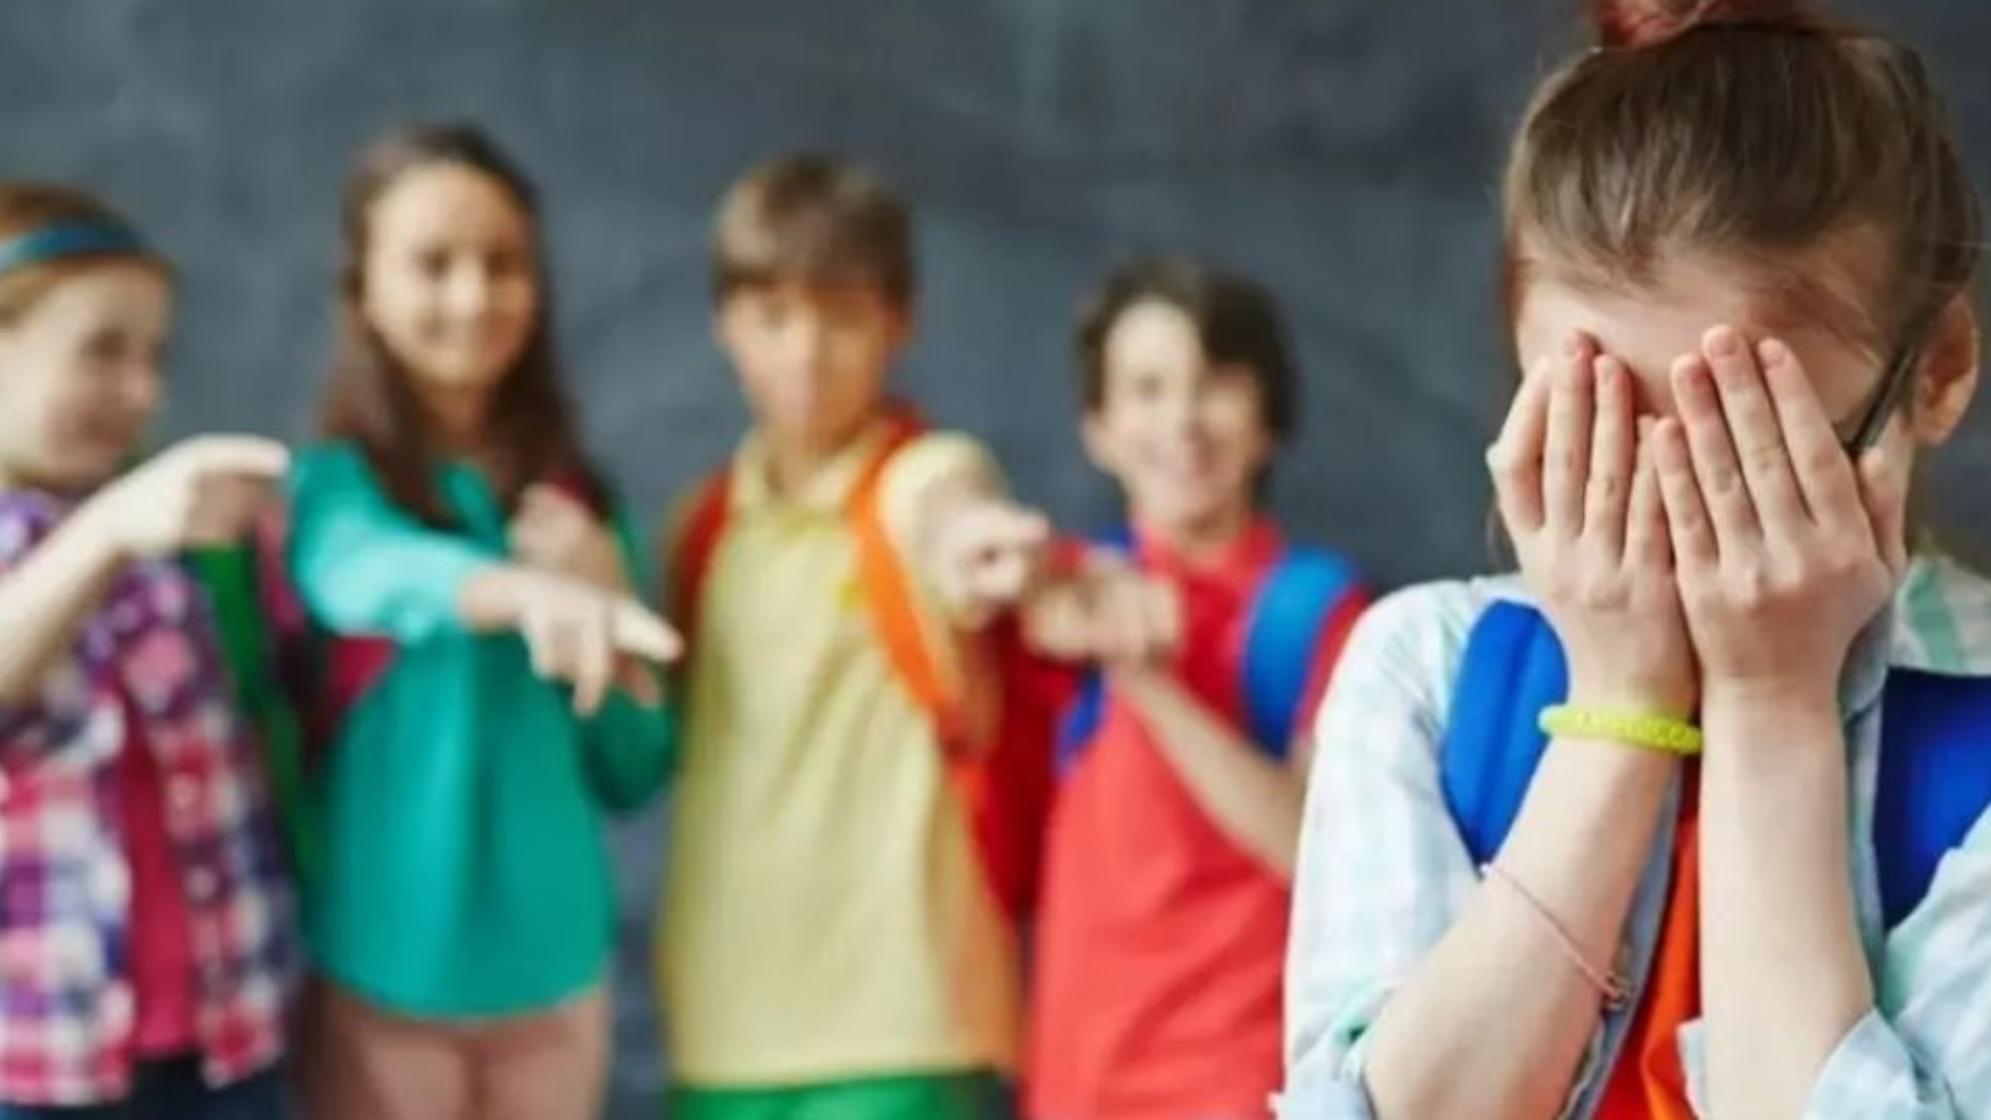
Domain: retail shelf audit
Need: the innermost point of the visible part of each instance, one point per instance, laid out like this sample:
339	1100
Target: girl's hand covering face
1785	547
1579	494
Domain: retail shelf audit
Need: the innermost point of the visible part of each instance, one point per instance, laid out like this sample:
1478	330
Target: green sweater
462	802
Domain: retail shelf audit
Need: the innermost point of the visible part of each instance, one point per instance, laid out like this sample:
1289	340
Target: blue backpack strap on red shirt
1294	604
1088	708
1935	761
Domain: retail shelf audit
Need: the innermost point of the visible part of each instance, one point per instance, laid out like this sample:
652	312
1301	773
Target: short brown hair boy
817	220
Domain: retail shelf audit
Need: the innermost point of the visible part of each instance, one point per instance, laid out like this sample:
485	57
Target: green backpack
234	579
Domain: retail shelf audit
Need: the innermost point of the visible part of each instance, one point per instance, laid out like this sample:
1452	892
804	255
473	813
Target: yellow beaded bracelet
1654	733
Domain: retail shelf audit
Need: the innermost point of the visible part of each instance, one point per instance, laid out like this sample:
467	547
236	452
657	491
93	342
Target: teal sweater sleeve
631	747
364	566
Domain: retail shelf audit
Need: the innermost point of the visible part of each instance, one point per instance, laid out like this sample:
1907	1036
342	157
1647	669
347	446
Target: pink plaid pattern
66	1012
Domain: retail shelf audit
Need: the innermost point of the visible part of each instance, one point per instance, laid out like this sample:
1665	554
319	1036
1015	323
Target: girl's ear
1949	374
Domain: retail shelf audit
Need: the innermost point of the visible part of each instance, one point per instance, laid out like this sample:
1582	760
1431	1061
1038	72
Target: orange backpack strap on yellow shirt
999	768
892	599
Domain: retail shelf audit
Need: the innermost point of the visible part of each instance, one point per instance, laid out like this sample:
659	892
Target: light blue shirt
1383	873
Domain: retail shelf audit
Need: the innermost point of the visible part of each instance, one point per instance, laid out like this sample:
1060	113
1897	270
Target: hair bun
1645	23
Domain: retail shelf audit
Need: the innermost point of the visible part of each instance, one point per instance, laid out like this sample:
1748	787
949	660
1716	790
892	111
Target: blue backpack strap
1294	605
1935	779
1513	668
1935	762
1081	720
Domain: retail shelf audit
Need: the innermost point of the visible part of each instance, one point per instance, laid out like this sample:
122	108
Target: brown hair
815	219
26	207
530	429
1750	129
1236	321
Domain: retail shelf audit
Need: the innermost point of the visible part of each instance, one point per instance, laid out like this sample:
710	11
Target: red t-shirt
1160	942
161	949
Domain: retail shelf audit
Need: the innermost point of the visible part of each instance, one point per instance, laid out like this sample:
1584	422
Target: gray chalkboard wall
1343	150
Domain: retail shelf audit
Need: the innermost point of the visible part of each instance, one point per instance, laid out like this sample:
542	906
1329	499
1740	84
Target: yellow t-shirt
825	916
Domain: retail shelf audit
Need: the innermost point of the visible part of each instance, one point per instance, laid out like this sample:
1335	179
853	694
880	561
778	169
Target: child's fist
986	556
200	492
1107	611
582	634
554	532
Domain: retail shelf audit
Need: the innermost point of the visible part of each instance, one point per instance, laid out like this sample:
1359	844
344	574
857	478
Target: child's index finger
1755	430
642	634
1526	424
1824	471
1006	526
253	456
1799	408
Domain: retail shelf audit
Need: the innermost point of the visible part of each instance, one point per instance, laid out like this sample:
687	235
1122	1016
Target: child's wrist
1785	693
969	613
1778	707
98	528
493	597
1666	701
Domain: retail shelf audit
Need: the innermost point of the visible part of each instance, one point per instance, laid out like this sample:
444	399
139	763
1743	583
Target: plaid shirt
66	1001
1383	872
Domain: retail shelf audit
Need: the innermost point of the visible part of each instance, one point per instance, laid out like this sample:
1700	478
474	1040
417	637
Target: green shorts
977	1095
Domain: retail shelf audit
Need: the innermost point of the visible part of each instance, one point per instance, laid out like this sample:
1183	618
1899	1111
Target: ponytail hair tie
1649	23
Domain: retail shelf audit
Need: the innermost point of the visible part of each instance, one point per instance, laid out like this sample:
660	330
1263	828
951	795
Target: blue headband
69	239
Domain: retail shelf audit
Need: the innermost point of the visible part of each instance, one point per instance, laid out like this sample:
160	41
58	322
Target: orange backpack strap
998	761
891	598
697	540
